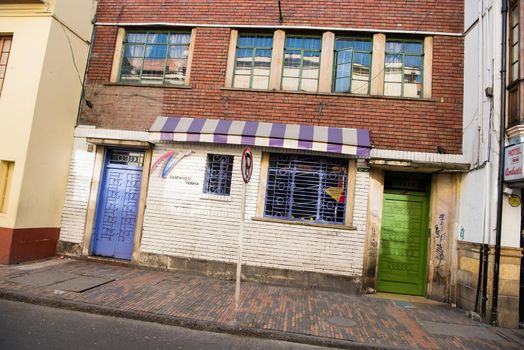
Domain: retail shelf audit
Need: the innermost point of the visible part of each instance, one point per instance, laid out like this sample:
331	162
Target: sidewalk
294	314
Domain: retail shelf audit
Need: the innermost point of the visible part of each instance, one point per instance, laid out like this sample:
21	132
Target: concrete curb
187	322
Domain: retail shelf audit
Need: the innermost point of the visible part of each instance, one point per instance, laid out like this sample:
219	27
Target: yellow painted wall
38	106
18	99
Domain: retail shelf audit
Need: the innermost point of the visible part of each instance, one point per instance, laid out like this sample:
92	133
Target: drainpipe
82	95
501	163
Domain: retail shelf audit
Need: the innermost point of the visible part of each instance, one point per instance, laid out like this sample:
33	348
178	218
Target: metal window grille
218	174
306	188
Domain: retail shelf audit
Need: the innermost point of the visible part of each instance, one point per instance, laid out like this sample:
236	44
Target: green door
402	259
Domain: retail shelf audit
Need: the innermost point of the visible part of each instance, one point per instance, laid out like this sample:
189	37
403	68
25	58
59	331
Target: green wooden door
402	259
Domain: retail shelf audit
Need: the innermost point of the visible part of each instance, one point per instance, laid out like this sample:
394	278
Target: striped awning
292	136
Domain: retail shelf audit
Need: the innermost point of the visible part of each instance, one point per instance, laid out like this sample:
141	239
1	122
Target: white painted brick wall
182	221
77	195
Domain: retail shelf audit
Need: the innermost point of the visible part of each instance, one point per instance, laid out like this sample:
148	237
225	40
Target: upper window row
154	57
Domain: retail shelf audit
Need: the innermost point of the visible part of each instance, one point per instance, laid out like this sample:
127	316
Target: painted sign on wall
513	162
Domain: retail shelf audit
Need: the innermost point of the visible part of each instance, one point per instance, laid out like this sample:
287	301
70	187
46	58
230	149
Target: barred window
155	58
253	61
306	188
218	174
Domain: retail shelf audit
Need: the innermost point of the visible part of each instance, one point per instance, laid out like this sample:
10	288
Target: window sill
151	85
338	94
305	223
215	197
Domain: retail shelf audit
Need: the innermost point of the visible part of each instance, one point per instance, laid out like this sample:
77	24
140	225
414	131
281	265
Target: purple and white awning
292	136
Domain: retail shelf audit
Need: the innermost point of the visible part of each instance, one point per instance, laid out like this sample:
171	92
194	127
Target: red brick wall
406	124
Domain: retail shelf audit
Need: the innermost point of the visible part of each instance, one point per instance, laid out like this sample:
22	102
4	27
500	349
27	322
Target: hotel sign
513	163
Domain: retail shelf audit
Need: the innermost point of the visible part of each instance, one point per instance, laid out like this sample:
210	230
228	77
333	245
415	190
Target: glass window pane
136	37
7	45
515	16
342	85
309	85
130	70
262	62
413	48
343	70
246	41
311	65
153	71
515	53
175	70
393	47
134	51
359	86
290	84
177	52
244	59
157	38
515	35
413	69
264	41
412	90
292	63
179	38
392	89
293	42
311	44
260	82
156	51
393	68
515	71
344	56
241	81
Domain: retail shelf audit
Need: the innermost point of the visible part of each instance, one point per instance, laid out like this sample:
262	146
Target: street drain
340	321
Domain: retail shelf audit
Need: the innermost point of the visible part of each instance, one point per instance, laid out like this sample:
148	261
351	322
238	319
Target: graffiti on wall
169	160
440	242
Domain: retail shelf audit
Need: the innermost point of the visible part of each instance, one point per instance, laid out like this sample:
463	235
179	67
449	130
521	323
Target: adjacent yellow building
44	46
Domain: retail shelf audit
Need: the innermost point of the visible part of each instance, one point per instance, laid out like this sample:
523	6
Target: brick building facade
354	115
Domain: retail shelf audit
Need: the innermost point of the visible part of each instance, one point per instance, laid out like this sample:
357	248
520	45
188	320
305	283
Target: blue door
117	206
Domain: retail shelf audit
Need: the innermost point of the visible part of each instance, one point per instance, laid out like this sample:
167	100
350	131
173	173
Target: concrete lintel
416	166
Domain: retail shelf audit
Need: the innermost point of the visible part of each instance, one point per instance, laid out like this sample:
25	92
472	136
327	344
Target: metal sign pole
239	261
246	168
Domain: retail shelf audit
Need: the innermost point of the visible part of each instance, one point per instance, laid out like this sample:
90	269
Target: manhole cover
341	321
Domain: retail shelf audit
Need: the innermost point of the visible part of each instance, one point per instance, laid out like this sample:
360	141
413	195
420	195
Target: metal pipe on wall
500	181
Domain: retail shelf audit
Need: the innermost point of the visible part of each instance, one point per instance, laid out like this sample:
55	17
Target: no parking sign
246	166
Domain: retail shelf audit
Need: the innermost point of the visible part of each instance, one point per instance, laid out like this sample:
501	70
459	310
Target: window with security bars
218	174
155	58
253	61
306	188
352	65
403	68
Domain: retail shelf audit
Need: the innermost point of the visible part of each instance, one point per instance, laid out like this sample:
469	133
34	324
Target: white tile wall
77	194
181	221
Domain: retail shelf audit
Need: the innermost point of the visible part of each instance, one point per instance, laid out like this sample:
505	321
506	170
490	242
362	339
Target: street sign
246	165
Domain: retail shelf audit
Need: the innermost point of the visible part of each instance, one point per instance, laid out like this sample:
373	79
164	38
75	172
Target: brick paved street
283	310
